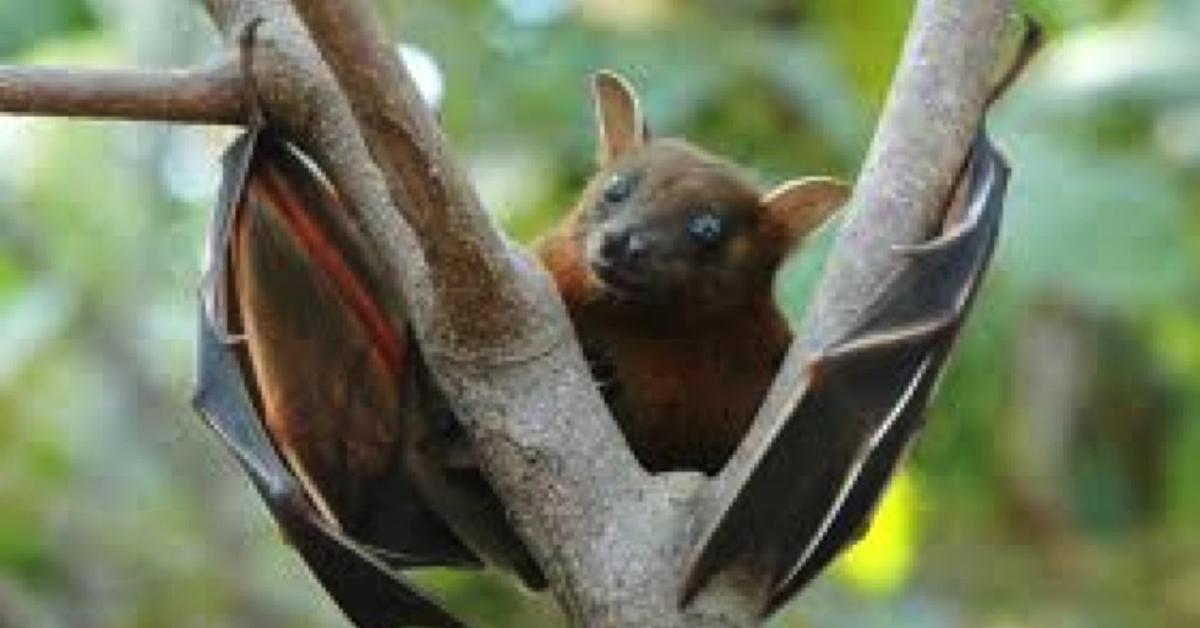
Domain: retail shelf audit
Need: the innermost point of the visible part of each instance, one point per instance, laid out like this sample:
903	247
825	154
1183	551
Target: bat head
664	221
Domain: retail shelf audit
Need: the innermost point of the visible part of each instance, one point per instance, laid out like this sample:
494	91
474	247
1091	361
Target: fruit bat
308	375
666	266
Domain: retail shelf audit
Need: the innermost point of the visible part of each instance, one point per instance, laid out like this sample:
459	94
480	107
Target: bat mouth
620	279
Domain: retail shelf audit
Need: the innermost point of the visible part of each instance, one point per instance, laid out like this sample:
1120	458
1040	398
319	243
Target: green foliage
1105	228
25	23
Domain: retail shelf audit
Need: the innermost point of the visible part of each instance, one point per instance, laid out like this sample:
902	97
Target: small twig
205	95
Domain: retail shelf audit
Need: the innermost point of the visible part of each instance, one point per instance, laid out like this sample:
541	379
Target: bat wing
308	375
842	420
324	352
369	592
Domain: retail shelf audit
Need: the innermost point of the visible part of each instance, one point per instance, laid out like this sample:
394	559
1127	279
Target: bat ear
619	122
800	206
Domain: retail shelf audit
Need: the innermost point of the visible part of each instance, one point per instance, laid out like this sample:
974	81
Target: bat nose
624	248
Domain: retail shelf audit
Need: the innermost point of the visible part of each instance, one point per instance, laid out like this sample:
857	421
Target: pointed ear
800	206
619	121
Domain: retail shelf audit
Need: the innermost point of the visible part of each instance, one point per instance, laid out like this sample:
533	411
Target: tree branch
487	306
541	430
939	91
611	538
546	438
931	115
206	95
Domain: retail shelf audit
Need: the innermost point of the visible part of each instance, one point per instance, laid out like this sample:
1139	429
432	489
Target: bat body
666	266
309	376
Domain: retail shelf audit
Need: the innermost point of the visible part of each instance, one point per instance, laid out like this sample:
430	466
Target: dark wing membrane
838	431
344	392
325	352
235	169
285	367
370	593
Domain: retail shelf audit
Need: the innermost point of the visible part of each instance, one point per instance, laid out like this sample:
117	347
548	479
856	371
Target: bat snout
620	259
626	247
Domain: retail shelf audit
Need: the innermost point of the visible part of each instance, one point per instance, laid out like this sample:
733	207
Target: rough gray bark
611	538
931	114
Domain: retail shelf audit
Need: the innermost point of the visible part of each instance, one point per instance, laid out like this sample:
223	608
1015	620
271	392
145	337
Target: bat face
672	223
664	223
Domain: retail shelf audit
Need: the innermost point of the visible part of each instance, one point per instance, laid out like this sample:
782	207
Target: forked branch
612	540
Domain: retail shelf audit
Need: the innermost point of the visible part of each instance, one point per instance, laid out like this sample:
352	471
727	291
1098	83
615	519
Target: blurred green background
1052	487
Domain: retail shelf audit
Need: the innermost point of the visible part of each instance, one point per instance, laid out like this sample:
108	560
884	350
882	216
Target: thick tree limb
541	429
932	112
461	246
939	91
206	95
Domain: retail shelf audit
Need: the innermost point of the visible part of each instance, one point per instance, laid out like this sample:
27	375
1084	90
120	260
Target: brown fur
685	338
689	374
688	371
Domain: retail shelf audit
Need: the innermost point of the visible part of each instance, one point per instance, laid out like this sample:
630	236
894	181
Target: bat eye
706	228
618	189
